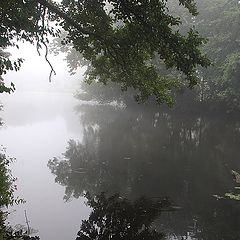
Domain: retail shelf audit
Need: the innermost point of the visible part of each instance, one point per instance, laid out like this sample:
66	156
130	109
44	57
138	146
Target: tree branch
62	15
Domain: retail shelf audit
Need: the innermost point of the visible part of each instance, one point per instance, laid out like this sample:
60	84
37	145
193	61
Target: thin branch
42	41
54	9
46	58
61	14
27	222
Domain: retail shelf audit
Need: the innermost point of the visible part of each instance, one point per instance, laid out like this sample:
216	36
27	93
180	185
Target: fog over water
144	153
39	119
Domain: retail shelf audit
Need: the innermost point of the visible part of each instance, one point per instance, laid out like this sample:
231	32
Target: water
37	127
135	152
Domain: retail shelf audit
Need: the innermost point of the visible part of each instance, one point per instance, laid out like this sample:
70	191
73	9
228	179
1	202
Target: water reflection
156	154
117	218
32	140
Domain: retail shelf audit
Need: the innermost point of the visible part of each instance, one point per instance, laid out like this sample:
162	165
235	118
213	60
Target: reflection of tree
117	218
135	152
10	233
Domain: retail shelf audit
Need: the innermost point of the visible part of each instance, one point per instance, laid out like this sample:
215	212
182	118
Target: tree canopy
218	87
118	39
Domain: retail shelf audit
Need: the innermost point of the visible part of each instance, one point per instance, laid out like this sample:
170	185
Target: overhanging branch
70	21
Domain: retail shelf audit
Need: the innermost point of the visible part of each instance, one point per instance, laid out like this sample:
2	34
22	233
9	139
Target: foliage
21	21
118	38
9	233
117	218
219	22
5	65
235	195
7	186
128	38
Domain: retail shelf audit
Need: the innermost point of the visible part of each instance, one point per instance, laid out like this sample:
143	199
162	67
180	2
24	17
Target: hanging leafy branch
118	38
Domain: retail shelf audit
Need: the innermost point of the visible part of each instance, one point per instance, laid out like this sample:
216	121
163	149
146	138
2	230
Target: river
37	126
65	148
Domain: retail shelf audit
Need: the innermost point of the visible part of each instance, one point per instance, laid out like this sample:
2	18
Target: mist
137	135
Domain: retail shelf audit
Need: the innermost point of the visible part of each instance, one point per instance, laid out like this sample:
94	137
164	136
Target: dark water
144	152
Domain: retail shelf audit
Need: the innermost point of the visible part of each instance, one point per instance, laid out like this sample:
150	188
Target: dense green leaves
123	38
118	38
7	186
7	189
21	21
219	22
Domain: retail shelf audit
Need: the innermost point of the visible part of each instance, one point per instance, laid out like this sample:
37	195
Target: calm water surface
188	159
37	126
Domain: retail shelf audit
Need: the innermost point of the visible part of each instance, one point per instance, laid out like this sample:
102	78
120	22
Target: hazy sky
34	73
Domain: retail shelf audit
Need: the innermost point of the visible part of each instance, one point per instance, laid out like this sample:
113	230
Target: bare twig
27	222
46	58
